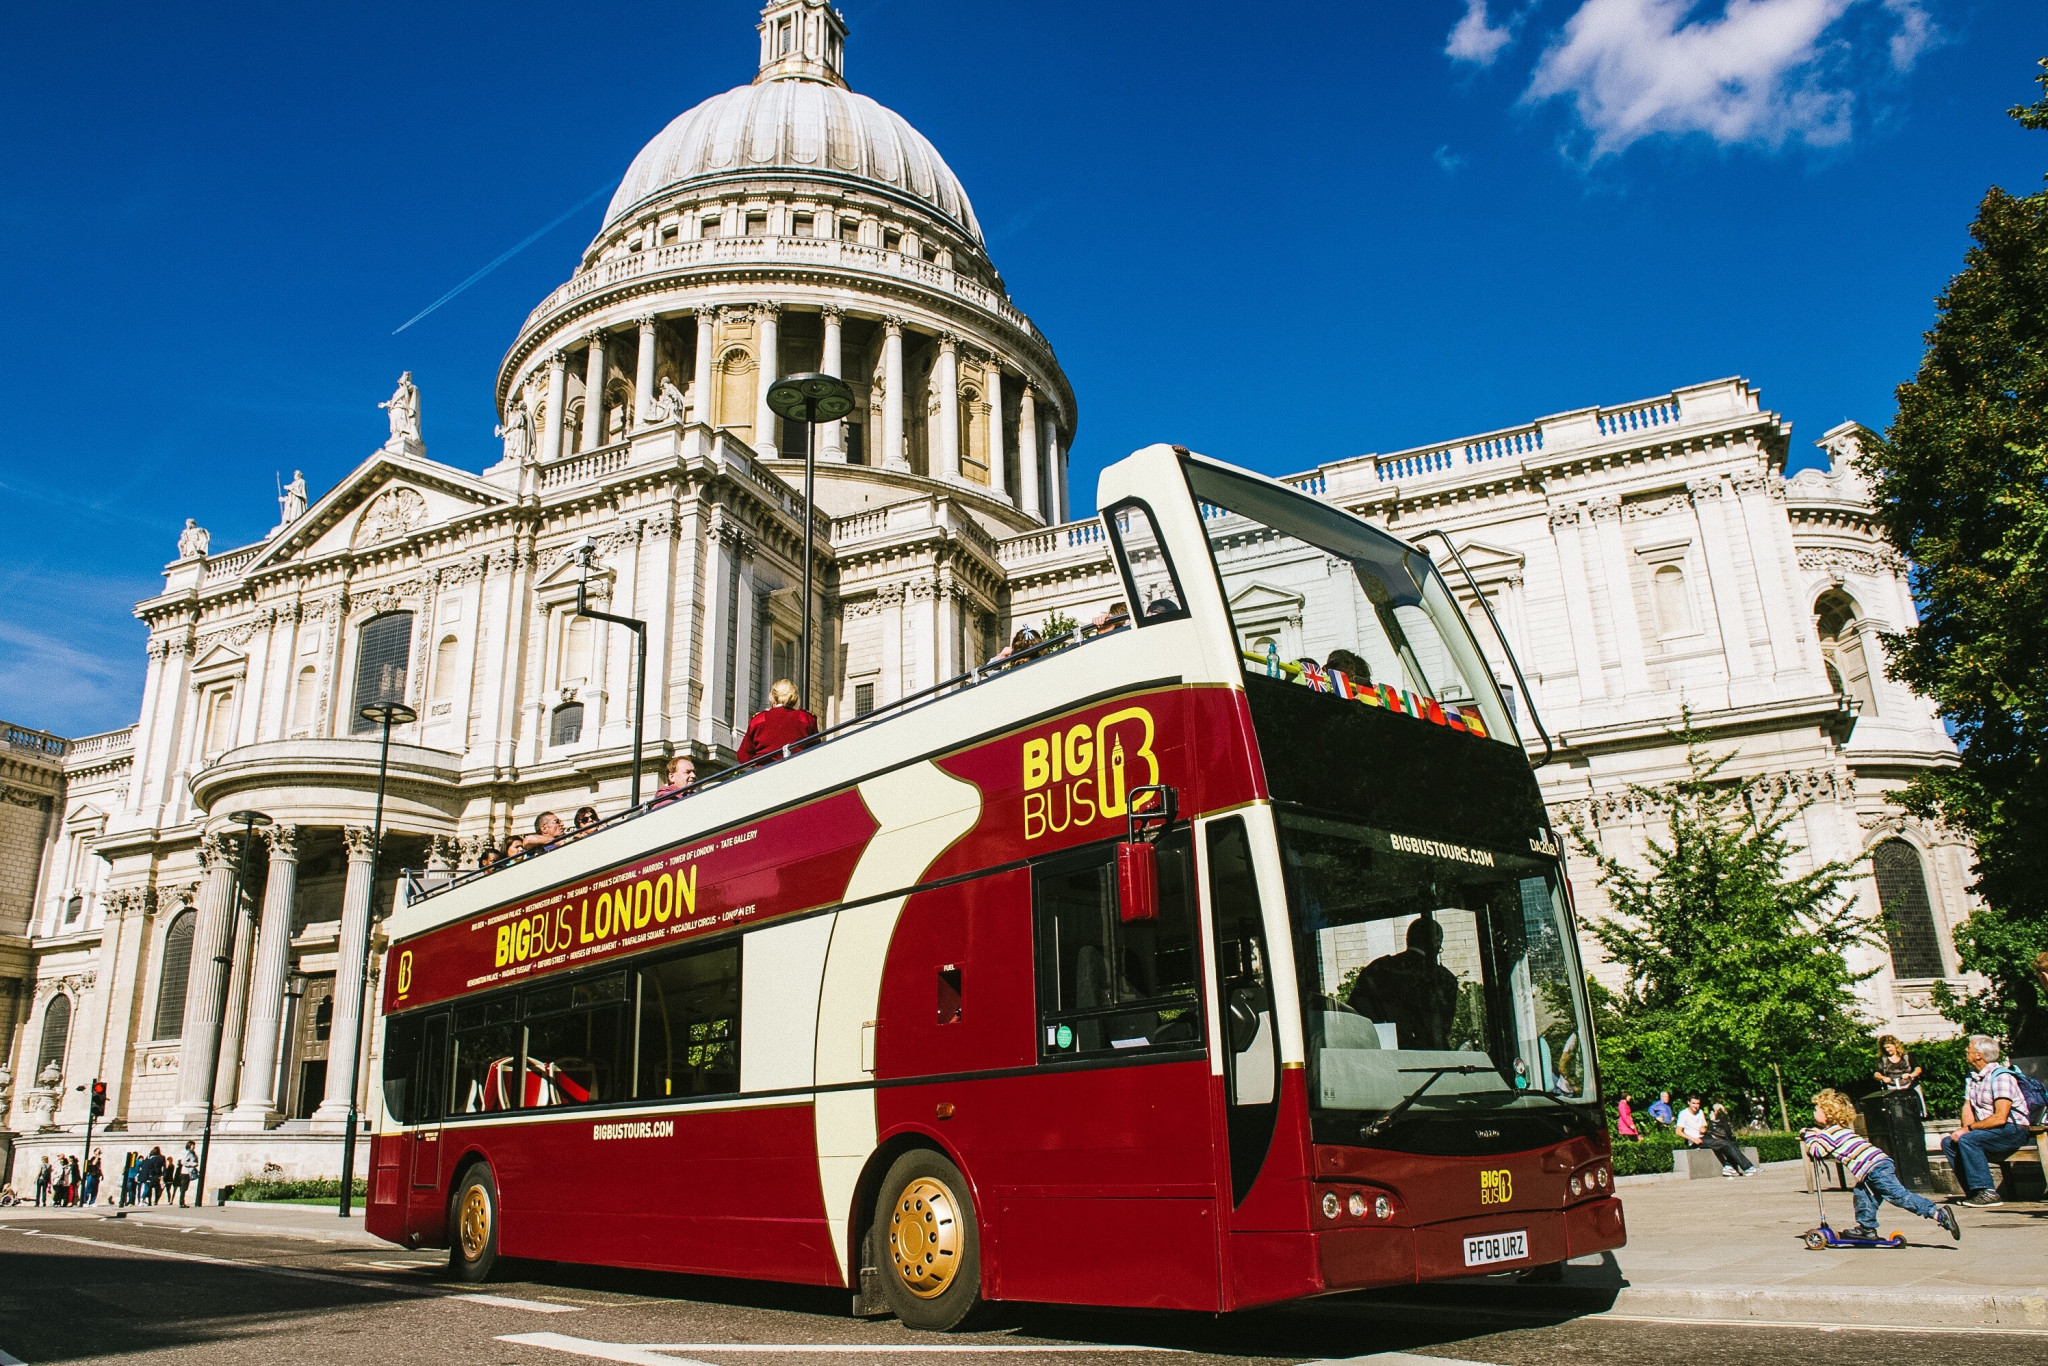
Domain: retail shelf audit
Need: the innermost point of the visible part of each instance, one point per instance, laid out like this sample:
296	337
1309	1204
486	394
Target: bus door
1244	998
426	1132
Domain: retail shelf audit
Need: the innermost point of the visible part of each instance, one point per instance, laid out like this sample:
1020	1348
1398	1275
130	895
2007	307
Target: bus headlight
1331	1205
1600	1175
1356	1204
1383	1208
1576	1188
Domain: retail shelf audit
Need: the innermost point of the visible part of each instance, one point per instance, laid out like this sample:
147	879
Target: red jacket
770	730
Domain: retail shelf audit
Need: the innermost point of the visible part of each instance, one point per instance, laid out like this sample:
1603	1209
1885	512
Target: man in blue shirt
1660	1109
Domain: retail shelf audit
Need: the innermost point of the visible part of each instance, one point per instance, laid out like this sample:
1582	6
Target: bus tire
928	1243
473	1227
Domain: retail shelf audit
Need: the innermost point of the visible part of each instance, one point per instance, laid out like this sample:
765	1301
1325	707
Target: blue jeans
1881	1185
1972	1152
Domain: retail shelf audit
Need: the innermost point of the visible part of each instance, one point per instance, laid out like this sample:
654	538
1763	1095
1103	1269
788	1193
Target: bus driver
1411	990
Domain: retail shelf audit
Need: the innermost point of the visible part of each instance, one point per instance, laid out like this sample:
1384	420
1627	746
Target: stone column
1056	470
769	316
356	897
998	477
1621	597
946	378
700	383
558	400
1729	616
256	1105
1027	453
593	393
831	436
1565	522
213	933
893	454
236	1008
643	372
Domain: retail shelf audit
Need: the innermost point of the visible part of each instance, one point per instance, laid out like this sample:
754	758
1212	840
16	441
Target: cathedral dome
797	118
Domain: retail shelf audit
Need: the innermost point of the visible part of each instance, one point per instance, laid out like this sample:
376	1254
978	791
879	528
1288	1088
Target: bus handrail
1549	748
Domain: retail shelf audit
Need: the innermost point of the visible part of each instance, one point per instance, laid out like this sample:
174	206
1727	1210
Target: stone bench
2020	1173
1695	1164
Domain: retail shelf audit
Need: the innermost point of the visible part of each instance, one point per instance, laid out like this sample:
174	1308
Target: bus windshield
1319	598
1433	969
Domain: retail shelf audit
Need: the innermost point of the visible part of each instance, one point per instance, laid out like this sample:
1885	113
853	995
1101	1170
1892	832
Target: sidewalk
1731	1249
300	1222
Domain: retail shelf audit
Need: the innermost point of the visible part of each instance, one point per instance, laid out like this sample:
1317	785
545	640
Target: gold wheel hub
924	1237
473	1224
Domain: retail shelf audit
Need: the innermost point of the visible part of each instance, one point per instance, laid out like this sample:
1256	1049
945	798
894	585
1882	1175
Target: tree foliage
1961	481
1734	964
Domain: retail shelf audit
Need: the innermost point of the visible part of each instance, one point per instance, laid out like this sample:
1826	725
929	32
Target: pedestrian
1625	1119
1721	1139
1994	1117
129	1165
95	1172
67	1180
1872	1177
782	724
1691	1123
152	1176
1660	1109
44	1178
1896	1072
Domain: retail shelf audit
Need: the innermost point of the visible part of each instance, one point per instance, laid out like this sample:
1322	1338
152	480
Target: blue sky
1279	234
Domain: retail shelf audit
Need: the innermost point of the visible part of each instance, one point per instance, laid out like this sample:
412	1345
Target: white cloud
1475	39
1758	71
1449	162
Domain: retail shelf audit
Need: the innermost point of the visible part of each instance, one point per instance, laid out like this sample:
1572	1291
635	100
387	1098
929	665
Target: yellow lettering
1079	799
583	934
1080	751
1037	772
664	898
1113	786
643	904
504	945
686	887
1058	772
405	972
608	916
1034	813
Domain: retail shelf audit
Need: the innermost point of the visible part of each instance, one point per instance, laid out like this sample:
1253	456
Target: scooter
1822	1238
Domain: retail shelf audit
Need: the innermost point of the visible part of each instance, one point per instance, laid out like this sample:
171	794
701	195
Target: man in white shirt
1692	1123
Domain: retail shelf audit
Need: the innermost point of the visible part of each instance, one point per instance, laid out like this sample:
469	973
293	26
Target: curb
2020	1308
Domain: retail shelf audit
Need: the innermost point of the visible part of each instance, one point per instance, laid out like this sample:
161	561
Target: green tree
1734	964
1961	480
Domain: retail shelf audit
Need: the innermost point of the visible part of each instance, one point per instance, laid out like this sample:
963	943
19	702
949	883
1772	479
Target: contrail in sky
524	243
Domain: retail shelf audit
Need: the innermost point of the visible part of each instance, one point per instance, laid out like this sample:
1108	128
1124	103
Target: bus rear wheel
929	1242
473	1227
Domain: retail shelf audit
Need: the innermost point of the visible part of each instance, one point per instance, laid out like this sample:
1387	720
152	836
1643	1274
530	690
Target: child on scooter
1872	1176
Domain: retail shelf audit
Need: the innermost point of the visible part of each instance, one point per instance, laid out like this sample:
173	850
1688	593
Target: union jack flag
1313	675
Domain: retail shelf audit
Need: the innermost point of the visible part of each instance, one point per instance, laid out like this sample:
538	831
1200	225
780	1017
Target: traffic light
99	1099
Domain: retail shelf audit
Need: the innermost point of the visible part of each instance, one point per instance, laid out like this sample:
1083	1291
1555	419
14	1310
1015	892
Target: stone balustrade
230	563
106	743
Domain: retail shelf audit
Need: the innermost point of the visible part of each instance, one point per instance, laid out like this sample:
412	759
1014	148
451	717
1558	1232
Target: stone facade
1638	558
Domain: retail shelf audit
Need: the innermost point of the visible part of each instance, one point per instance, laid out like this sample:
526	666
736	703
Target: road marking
355	1282
1963	1330
6	1360
603	1351
1396	1359
664	1353
512	1302
394	1266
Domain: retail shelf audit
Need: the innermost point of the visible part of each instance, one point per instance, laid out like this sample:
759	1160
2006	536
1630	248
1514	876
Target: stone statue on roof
403	407
193	540
292	502
517	433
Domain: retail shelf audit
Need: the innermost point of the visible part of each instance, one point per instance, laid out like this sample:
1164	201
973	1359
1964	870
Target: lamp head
389	713
810	398
249	819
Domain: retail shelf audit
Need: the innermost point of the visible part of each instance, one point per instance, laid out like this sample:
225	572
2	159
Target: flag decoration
1337	682
1313	675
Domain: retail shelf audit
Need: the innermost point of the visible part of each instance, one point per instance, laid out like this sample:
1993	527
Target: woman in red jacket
783	723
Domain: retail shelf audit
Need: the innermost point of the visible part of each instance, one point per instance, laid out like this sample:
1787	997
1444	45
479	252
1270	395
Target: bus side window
1245	993
402	1035
690	1025
489	1054
1104	985
1154	588
576	1042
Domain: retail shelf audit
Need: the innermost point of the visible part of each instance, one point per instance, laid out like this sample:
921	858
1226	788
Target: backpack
2035	1093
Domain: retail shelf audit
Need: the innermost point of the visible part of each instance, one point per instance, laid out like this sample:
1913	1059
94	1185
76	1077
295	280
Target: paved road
82	1288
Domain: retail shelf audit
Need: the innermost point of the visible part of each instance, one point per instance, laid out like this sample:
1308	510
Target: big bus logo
404	973
1080	774
1496	1187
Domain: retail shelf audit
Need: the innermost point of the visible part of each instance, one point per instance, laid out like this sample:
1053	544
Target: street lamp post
248	820
386	714
585	552
809	399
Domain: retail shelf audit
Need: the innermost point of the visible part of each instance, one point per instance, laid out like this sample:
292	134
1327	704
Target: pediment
558	585
1487	561
221	659
84	816
387	498
1263	599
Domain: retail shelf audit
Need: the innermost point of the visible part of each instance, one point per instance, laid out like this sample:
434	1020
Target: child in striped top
1872	1176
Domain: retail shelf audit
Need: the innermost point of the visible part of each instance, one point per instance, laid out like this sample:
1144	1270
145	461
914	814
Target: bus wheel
473	1227
930	1241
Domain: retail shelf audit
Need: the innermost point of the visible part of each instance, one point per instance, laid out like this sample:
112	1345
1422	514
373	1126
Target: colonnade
1042	460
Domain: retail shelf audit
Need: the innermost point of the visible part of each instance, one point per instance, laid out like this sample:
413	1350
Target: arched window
74	908
382	654
1841	648
444	669
56	1032
973	436
1673	603
566	726
575	650
736	390
305	696
1908	914
170	993
220	721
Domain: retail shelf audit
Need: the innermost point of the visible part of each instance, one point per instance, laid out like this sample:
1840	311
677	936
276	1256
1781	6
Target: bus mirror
1137	881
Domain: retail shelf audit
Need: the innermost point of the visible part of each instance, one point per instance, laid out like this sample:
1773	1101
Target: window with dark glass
577	1045
487	1057
566	725
690	1025
177	968
1106	985
1149	578
863	698
383	652
56	1032
1908	914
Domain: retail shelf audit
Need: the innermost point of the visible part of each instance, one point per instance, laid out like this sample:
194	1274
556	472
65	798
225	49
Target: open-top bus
1150	969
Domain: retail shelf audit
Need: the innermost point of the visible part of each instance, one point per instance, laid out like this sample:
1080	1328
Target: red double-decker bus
1221	958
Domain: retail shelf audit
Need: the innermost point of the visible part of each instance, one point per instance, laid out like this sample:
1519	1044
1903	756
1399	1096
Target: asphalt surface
84	1288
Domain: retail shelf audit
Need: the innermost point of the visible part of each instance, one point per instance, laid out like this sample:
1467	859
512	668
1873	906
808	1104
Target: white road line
512	1302
356	1282
656	1353
1395	1359
6	1360
603	1351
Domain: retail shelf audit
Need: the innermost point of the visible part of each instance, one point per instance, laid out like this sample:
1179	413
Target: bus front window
1433	973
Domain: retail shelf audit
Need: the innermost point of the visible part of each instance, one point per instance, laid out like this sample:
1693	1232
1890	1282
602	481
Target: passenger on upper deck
682	776
1115	618
586	819
547	829
1351	666
784	723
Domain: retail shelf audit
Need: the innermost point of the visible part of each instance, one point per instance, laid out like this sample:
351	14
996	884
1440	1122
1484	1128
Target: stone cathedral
1640	558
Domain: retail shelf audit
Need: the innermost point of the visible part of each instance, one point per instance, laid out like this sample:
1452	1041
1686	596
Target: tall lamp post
248	820
809	399
387	715
585	552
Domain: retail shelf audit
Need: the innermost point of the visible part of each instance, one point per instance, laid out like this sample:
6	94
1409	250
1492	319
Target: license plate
1488	1248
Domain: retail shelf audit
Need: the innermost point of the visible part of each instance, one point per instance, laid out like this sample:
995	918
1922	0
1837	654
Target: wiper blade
1435	1074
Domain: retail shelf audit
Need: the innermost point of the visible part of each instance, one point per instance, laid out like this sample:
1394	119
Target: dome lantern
802	40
